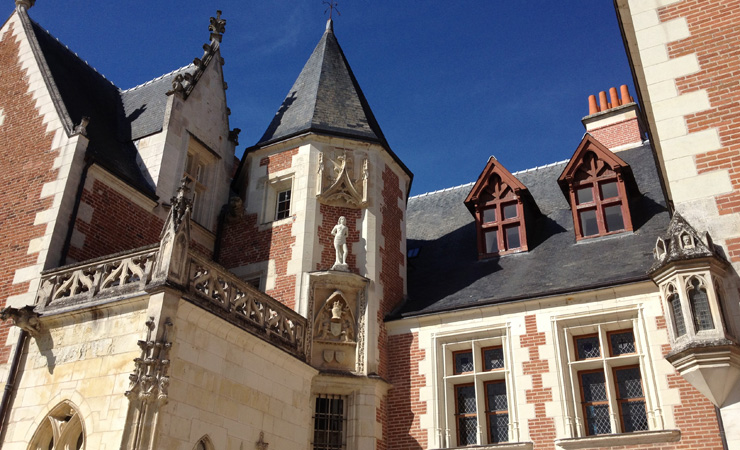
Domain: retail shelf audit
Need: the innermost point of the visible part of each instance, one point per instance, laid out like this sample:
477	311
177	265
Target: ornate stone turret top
26	4
682	242
217	27
181	204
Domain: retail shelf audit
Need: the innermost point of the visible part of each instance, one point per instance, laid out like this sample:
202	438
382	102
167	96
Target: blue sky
450	83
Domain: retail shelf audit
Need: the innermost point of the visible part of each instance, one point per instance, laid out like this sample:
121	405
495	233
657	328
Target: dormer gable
498	201
596	183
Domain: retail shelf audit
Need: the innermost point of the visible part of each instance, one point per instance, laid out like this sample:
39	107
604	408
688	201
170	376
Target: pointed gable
605	161
484	185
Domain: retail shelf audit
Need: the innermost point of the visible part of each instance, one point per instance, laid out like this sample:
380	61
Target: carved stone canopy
338	186
682	242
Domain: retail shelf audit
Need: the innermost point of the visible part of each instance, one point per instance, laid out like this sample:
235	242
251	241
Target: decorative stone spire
217	27
682	242
25	4
181	204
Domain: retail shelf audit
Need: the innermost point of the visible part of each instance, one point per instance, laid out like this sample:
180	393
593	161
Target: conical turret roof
326	99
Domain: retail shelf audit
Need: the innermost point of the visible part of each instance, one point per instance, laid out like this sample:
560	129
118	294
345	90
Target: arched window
61	429
699	302
674	302
204	444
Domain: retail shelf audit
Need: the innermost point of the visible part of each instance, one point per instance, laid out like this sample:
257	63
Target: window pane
597	419
283	205
493	358
499	428
629	383
328	424
700	307
489	215
589	227
634	417
466	399
594	389
510	211
622	343
609	190
512	237
588	347
492	241
463	362
585	195
467	428
613	218
679	326
496	396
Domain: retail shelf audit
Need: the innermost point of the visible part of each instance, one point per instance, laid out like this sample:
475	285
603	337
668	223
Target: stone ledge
612	440
503	446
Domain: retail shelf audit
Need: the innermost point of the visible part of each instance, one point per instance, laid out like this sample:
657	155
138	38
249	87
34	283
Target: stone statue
339	232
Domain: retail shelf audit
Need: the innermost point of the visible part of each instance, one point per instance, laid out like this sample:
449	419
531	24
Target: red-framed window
462	362
598	199
595	402
500	219
497	411
630	398
466	416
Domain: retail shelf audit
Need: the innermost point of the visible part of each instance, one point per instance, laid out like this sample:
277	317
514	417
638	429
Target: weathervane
332	5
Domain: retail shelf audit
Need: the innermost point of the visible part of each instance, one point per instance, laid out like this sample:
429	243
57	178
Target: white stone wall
85	358
230	386
641	302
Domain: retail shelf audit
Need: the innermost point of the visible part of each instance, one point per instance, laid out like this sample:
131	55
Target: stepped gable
447	275
326	99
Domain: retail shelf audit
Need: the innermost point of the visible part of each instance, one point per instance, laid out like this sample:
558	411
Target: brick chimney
615	123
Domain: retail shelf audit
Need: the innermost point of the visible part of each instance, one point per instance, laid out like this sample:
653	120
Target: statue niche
338	186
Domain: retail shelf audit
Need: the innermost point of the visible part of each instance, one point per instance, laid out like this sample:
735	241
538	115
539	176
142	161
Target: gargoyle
25	318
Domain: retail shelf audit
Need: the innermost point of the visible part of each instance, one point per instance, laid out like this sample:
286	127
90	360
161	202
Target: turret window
700	306
679	325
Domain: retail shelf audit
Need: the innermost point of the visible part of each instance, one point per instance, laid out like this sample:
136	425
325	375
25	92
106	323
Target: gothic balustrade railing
97	280
240	303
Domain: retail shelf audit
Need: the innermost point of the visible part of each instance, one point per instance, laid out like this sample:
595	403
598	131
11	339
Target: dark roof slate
325	98
447	275
117	118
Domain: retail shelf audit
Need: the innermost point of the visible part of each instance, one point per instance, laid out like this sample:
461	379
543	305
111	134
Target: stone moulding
611	440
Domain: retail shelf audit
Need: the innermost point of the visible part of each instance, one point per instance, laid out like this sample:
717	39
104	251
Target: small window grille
329	423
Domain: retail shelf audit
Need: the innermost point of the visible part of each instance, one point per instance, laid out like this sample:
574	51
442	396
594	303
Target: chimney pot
613	97
625	94
604	105
593	108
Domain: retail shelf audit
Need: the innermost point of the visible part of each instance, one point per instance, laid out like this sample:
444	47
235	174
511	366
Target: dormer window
594	183
496	203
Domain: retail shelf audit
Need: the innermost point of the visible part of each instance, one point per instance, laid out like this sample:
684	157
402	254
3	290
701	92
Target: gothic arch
204	443
61	429
701	312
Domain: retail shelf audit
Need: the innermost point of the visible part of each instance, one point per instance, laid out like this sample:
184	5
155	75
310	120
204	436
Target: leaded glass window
493	358
631	399
467	421
700	306
595	402
622	342
679	325
588	347
497	411
463	361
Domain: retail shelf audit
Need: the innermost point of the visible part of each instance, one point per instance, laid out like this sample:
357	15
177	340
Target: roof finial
217	27
25	4
332	5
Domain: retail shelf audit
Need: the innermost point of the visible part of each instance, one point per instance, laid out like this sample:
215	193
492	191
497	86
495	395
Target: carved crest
339	186
335	321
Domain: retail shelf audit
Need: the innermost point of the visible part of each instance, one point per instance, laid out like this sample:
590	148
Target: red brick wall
391	257
404	407
243	243
541	428
117	224
27	159
617	134
714	36
330	216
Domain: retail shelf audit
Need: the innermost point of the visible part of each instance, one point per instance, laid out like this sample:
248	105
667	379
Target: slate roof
117	118
447	275
327	99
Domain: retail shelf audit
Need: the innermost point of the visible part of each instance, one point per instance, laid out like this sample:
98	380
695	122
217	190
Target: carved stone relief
335	300
339	183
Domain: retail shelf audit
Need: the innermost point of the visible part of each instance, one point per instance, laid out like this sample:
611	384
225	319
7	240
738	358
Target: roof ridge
442	190
473	182
72	52
155	79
